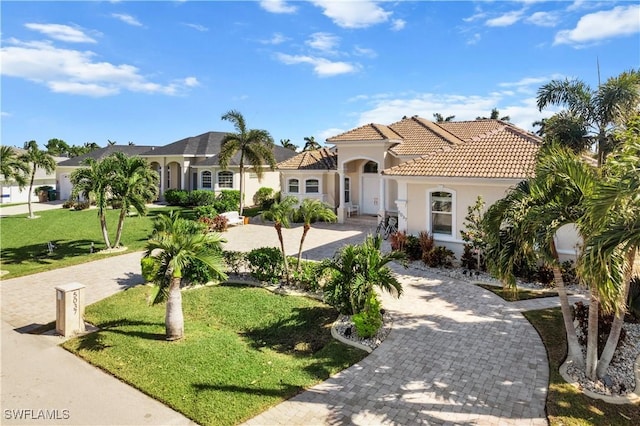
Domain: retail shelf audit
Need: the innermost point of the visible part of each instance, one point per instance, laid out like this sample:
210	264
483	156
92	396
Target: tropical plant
264	197
310	144
134	185
441	119
176	244
474	235
280	213
311	210
354	272
567	129
57	147
369	320
266	264
38	159
255	147
495	115
601	110
286	143
13	167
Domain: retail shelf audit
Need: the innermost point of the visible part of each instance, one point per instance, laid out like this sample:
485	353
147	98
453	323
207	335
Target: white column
382	204
341	209
161	171
401	202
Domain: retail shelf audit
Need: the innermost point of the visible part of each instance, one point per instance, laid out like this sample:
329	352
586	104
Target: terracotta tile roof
368	132
466	130
420	137
503	152
318	159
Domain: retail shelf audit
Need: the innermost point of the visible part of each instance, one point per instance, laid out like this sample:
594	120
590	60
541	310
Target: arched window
294	186
225	179
441	212
311	186
206	179
370	167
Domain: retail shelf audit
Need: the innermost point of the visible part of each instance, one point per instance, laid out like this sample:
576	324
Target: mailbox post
70	309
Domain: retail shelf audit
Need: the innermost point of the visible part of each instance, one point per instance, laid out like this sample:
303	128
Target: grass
245	349
24	241
566	406
520	294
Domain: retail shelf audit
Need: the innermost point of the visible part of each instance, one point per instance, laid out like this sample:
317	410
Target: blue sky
156	72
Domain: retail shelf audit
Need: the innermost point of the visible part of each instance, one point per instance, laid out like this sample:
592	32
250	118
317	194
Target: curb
338	337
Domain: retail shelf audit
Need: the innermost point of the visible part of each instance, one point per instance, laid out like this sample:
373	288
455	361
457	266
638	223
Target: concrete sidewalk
24	208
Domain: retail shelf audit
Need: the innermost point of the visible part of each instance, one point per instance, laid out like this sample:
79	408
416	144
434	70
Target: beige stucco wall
326	179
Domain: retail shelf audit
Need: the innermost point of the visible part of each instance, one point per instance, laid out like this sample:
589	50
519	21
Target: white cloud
321	66
617	22
77	72
276	38
127	19
364	51
61	32
277	6
474	39
5	114
530	84
324	42
197	27
353	14
544	19
398	24
505	20
476	16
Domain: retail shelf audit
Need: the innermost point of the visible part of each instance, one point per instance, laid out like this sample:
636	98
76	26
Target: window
311	186
294	186
370	167
225	179
441	212
206	179
347	190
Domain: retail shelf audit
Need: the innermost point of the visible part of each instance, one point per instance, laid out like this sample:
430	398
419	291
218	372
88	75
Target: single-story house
10	192
425	173
190	163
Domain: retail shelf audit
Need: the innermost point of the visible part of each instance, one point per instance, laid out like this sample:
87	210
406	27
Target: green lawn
245	349
520	294
24	241
566	406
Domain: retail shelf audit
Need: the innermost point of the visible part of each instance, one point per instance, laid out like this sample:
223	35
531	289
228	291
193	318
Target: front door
370	194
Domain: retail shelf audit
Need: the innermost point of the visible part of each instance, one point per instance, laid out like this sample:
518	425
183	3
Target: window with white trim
206	179
225	179
347	190
441	203
294	186
311	186
370	167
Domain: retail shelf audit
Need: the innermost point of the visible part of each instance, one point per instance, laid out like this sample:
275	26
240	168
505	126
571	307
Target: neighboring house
425	173
192	163
11	192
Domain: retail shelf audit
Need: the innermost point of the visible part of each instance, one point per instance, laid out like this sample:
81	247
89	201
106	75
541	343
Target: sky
152	73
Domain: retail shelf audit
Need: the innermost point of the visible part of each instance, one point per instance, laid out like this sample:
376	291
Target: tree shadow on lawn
285	391
39	253
95	342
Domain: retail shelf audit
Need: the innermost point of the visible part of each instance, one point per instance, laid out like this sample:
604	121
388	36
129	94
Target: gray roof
100	153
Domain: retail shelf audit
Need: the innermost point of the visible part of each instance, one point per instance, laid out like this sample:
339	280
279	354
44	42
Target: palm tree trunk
305	229
33	177
278	227
174	317
592	336
618	320
123	214
241	183
105	233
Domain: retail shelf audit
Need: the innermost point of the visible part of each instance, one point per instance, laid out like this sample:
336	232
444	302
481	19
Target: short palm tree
311	144
255	147
286	143
281	213
176	245
135	184
311	210
38	159
13	167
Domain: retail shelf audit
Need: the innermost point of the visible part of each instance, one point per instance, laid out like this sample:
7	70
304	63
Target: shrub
235	261
544	275
426	242
150	268
201	197
197	273
206	211
81	205
264	197
581	314
176	197
438	257
307	278
398	241
266	264
634	297
413	248
369	321
116	203
474	237
68	204
220	223
227	201
569	275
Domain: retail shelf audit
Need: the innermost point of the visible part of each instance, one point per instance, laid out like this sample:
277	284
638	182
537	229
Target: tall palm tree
38	159
57	147
175	247
280	213
495	115
286	143
94	182
255	147
601	110
310	144
13	167
311	210
135	184
441	119
567	129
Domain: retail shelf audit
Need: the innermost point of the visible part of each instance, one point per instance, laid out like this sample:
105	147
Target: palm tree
286	143
566	129
495	115
311	210
441	119
601	110
280	213
37	159
135	184
255	147
94	182
57	147
310	144
175	247
13	167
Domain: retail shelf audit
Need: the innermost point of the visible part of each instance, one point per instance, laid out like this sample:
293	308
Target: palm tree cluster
118	180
